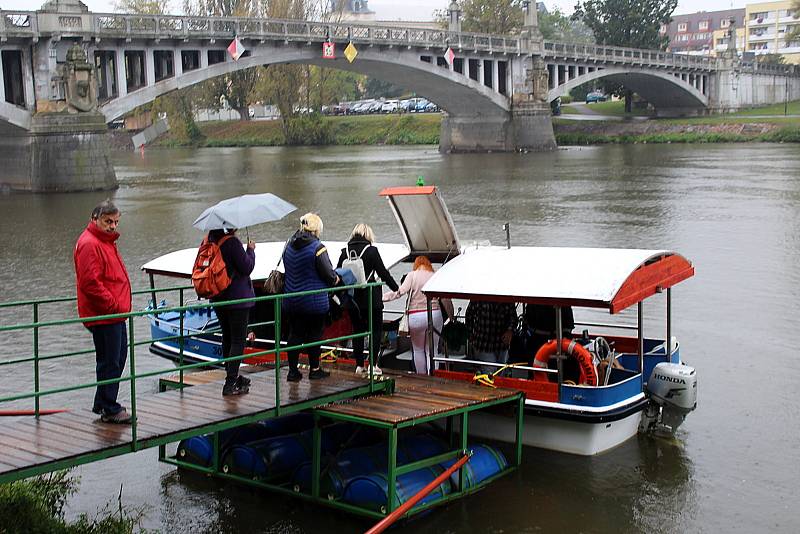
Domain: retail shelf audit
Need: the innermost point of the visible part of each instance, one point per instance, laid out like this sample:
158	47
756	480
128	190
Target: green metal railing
133	374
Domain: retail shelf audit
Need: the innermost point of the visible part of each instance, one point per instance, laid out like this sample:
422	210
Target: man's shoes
243	381
122	417
235	388
316	374
360	370
97	410
294	375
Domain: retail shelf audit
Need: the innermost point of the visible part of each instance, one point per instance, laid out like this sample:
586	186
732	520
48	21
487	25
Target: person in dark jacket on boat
233	318
104	288
362	240
308	267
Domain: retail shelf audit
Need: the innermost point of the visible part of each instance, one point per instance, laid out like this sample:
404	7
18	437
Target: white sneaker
364	371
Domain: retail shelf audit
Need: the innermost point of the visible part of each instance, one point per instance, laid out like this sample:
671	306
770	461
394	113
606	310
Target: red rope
15	413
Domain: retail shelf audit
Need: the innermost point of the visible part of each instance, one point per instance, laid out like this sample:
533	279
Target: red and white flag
236	48
328	50
449	56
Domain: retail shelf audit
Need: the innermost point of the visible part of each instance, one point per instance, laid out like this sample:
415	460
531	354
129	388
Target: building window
725	23
664	28
702	25
683	26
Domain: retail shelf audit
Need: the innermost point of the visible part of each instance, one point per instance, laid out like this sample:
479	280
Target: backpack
210	274
356	264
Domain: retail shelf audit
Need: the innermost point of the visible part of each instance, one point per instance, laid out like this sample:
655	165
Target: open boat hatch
424	222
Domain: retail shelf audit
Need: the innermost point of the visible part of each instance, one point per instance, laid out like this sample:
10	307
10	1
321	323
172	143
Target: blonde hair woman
308	267
417	312
361	243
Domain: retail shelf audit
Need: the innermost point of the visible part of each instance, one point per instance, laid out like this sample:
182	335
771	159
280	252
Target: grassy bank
616	108
423	129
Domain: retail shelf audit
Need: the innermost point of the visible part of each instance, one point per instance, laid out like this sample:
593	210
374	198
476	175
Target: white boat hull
585	439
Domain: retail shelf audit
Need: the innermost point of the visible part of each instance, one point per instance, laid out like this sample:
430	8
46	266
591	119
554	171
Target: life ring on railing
588	372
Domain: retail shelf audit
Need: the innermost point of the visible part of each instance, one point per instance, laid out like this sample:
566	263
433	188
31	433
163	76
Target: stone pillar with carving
69	145
454	17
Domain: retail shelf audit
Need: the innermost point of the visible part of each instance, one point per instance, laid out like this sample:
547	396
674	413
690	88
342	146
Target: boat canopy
589	277
179	264
424	222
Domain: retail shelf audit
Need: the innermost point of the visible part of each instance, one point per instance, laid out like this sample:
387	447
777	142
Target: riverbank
423	129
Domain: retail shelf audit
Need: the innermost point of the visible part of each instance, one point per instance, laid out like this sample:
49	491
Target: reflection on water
734	210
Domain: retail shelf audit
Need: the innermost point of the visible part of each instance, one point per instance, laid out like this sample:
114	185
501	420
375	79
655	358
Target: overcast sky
404	9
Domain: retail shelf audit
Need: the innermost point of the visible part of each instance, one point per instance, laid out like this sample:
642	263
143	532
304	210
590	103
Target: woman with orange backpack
239	263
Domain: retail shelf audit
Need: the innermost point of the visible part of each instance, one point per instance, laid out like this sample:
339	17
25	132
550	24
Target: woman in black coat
362	237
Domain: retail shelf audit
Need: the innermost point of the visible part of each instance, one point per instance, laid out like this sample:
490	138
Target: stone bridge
495	92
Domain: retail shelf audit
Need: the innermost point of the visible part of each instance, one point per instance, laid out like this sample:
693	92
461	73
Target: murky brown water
734	210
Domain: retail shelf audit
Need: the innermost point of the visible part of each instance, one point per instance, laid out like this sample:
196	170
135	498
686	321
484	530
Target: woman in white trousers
417	309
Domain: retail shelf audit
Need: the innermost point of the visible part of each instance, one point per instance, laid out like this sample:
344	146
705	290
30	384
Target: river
734	210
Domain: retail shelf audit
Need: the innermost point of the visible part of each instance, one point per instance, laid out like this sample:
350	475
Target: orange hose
389	520
16	413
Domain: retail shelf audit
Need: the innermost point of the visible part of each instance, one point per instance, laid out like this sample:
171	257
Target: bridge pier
62	152
526	128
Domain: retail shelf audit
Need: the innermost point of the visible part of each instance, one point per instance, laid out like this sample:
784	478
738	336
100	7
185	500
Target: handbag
274	284
402	328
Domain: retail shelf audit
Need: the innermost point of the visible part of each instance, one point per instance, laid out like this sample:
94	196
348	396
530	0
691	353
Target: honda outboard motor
672	389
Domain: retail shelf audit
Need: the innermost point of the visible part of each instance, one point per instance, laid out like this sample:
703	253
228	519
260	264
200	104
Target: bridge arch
455	93
662	89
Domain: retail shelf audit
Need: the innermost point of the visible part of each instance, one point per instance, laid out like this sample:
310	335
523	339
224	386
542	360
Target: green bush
36	506
566	99
310	129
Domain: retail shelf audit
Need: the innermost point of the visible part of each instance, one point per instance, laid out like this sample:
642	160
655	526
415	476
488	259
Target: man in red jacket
104	289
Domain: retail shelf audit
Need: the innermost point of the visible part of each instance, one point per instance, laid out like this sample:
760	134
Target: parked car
390	106
431	108
595	96
408	104
421	103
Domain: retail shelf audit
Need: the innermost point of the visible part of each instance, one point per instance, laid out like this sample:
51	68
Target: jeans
500	357
233	323
360	324
305	328
111	353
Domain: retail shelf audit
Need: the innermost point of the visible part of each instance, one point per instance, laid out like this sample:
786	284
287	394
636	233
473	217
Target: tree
150	7
633	23
794	31
486	16
555	26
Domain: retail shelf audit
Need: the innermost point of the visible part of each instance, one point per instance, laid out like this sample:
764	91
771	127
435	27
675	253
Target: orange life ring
588	372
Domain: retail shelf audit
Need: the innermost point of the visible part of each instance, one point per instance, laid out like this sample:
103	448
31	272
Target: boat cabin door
424	221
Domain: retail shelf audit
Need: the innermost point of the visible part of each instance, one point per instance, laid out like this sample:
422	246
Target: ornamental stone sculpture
80	81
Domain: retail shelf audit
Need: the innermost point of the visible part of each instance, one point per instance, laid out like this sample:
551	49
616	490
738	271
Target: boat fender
588	371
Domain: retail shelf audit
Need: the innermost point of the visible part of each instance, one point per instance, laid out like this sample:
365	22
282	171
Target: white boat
652	390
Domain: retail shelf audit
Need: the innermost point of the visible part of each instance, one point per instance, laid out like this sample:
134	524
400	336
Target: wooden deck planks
28	442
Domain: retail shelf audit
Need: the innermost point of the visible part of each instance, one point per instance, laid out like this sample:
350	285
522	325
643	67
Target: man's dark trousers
111	348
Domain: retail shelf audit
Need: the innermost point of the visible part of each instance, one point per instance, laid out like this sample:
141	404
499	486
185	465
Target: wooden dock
64	440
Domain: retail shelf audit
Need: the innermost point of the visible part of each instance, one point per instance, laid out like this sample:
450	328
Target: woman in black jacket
362	237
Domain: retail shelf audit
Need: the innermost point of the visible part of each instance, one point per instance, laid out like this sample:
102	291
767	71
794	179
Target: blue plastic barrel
361	461
486	461
371	491
199	449
278	458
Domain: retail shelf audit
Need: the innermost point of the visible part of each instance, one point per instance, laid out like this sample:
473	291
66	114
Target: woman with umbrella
233	317
221	222
308	267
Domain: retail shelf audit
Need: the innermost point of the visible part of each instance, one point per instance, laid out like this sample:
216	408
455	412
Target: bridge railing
13	335
628	55
18	24
173	26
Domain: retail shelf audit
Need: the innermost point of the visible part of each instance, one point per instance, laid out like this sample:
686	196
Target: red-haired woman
417	311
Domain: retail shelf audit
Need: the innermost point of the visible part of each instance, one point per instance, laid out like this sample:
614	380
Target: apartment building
769	26
694	33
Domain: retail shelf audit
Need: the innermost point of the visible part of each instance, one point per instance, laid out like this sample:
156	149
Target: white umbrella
243	211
